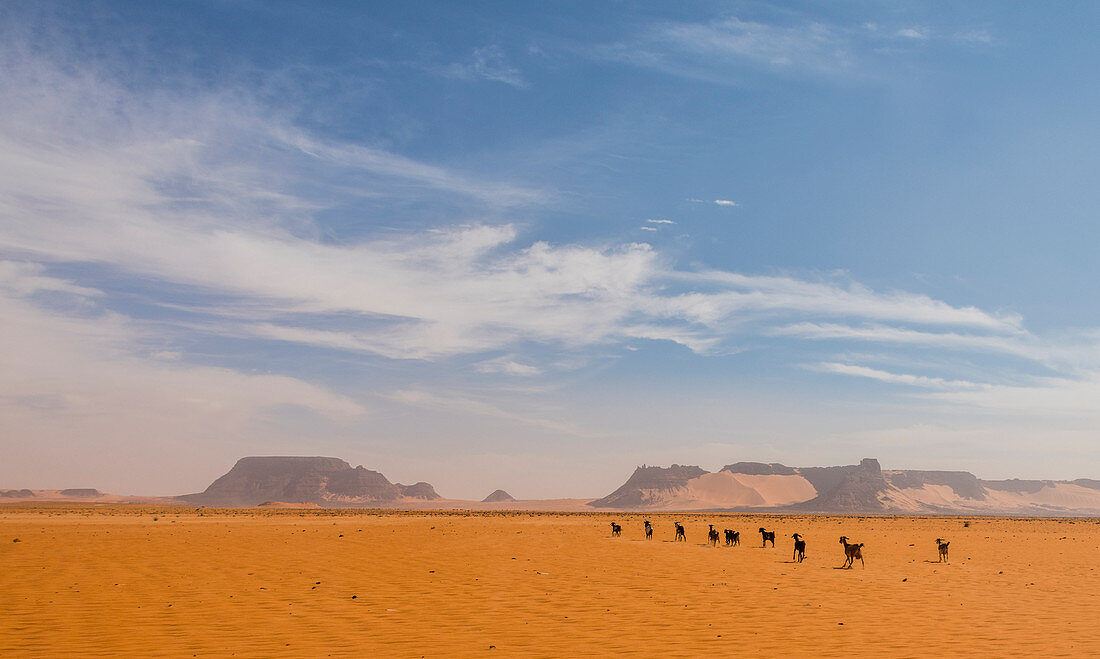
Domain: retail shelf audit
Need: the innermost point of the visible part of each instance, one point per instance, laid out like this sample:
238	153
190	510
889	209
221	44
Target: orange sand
138	581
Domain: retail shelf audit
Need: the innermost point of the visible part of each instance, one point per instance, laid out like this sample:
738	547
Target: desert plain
172	581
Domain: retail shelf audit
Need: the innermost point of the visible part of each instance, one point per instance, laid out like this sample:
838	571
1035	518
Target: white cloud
1068	351
508	366
647	228
1053	396
815	46
725	202
660	221
893	378
488	63
913	33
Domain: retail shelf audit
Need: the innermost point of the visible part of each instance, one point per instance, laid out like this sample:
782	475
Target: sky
531	246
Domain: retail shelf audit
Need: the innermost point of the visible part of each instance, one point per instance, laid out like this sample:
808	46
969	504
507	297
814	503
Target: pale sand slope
114	582
1055	497
727	490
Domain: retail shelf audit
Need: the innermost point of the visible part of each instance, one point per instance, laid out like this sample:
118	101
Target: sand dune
778	490
180	582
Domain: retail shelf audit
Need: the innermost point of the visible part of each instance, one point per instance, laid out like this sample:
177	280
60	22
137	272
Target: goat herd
852	551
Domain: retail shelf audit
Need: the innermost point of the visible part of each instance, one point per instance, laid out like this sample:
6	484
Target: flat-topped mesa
81	492
645	481
326	481
498	497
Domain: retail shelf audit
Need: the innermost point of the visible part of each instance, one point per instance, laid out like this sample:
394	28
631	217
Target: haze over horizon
499	245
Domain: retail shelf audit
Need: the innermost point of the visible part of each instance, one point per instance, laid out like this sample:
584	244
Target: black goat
799	548
768	536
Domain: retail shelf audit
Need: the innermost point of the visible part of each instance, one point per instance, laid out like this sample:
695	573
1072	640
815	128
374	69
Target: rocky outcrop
964	483
320	480
16	494
497	497
854	488
1016	485
649	484
419	490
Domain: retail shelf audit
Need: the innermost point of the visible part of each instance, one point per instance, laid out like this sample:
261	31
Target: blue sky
505	245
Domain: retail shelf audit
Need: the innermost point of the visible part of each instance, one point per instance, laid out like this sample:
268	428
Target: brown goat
680	532
852	552
942	544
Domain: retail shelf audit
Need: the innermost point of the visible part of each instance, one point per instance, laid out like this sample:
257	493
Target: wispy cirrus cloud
893	378
721	50
716	202
487	63
913	33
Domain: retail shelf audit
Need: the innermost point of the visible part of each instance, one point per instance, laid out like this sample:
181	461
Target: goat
852	552
799	548
768	536
732	538
648	530
942	544
616	530
712	536
680	532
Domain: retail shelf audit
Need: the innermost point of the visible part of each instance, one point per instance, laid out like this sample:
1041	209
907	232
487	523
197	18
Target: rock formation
81	492
16	494
648	485
862	488
295	479
498	496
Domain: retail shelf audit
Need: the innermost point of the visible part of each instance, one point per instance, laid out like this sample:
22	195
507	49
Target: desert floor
139	581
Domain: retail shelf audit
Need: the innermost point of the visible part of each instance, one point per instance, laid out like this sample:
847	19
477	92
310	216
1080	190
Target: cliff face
853	488
964	483
331	481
